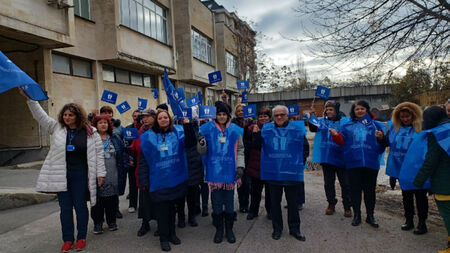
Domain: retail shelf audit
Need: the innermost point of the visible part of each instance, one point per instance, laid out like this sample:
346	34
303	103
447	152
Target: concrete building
83	47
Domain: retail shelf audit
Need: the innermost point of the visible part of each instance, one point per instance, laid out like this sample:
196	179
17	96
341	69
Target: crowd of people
180	161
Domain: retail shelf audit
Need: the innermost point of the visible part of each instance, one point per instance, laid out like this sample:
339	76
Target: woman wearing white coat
73	167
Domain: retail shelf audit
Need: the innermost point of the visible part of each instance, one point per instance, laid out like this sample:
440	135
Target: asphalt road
37	229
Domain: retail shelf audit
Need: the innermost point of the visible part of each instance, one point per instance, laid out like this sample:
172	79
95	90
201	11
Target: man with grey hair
284	150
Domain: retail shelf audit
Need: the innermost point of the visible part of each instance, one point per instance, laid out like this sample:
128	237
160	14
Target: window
231	64
190	90
71	66
117	75
201	47
81	8
146	17
209	97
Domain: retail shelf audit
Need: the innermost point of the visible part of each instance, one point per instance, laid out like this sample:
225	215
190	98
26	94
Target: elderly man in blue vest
284	151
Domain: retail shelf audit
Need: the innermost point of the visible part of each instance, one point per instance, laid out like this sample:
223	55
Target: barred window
201	47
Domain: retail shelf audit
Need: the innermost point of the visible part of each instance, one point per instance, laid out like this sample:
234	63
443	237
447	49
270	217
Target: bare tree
383	31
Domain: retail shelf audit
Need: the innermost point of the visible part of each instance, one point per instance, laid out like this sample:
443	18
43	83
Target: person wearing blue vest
406	124
361	158
284	150
331	157
221	143
164	156
436	165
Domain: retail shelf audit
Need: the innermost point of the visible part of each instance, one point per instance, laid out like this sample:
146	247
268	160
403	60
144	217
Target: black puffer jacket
194	159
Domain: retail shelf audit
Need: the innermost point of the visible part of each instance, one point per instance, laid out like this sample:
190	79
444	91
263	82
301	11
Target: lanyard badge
72	135
222	139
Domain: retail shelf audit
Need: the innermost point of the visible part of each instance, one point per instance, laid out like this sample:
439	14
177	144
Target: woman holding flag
361	158
406	125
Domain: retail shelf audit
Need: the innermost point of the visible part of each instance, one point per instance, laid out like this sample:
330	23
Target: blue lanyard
72	135
105	146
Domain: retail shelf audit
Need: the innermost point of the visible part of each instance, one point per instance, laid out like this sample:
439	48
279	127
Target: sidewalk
17	186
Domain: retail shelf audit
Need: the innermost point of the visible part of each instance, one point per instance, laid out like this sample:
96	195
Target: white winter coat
52	177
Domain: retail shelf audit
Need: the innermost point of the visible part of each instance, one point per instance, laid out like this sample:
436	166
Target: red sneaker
81	244
67	246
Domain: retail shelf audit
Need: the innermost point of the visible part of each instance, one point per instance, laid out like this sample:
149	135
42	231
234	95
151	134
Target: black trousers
204	191
329	177
290	191
165	216
256	188
362	180
192	198
244	191
421	203
146	210
105	206
132	188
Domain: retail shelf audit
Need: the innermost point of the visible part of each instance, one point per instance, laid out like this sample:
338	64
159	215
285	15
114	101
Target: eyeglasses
279	115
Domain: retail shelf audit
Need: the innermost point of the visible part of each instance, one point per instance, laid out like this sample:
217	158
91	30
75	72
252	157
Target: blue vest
325	150
361	148
415	156
282	152
221	157
166	158
399	142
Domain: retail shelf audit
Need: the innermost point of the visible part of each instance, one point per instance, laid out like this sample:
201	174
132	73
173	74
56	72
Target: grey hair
280	107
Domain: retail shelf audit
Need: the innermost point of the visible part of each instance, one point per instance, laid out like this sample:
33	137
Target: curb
31	165
13	198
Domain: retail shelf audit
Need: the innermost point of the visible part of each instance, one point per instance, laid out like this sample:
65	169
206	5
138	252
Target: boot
218	223
145	227
205	211
229	220
421	227
165	246
181	220
371	221
356	219
409	224
330	209
192	222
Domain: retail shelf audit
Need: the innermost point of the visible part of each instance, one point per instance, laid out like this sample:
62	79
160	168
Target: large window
201	47
81	8
146	17
117	75
71	66
231	64
190	90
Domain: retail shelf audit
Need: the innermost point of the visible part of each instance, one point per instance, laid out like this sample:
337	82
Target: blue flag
214	77
207	112
242	85
244	99
180	94
187	113
155	93
314	121
249	111
200	97
130	133
193	101
109	97
293	110
142	103
171	97
123	107
323	92
12	76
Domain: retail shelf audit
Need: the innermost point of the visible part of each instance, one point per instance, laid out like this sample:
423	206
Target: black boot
371	221
181	220
165	246
409	224
205	211
218	223
192	222
356	219
145	227
229	220
421	228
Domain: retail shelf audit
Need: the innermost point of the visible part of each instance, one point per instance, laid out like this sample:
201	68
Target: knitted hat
222	107
149	112
163	107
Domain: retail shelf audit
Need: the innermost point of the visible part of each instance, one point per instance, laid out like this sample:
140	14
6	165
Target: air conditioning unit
61	4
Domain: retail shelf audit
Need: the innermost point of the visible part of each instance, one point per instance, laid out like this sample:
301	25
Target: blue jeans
74	197
220	198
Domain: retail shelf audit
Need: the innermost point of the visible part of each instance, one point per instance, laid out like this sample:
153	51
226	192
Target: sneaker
67	246
98	229
81	244
131	210
112	227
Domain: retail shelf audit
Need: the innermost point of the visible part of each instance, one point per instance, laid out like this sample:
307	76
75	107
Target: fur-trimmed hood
412	108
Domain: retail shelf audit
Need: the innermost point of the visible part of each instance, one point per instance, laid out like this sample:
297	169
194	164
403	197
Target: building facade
83	47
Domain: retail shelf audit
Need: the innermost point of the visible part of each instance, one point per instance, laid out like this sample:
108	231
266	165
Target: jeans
222	198
74	197
364	180
105	206
291	193
329	177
